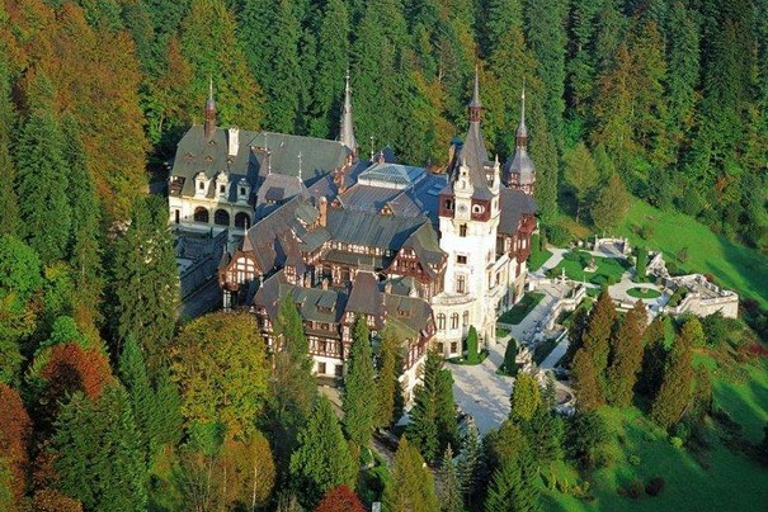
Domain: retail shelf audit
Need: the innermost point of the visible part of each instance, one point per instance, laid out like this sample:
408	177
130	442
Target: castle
425	253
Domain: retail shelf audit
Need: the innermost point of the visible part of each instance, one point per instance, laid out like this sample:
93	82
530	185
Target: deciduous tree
15	436
340	499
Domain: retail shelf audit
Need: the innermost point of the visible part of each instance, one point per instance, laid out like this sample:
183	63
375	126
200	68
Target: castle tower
469	217
519	171
347	132
209	114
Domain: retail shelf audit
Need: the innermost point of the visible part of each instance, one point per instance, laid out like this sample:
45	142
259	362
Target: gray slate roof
514	203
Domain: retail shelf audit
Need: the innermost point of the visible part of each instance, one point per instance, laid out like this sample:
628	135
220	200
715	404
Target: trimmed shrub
509	366
654	486
472	354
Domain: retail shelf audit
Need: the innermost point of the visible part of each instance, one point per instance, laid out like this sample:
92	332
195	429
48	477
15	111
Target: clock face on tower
462	208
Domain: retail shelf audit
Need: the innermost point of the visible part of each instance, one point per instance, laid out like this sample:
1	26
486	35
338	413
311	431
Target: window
201	185
461	284
465	319
455	321
222	189
461	259
454	347
477	209
321	368
339	370
242	191
440	348
322	347
177	216
242	220
463	230
441	322
221	218
201	215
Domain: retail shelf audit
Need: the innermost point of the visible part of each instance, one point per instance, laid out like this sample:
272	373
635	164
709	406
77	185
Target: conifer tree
99	454
525	398
15	436
654	357
169	401
433	416
611	206
449	484
627	355
507	445
470	462
472	353
145	280
43	176
390	398
546	430
588	392
412	486
133	375
282	83
581	174
597	333
359	399
9	204
332	62
676	387
322	460
85	250
497	18
641	263
513	487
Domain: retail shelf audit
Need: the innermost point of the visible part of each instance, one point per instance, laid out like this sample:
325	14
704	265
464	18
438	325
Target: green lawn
735	266
643	293
520	310
537	259
731	483
609	270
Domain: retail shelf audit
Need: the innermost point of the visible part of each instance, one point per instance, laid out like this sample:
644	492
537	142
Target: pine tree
390	398
470	462
676	387
133	374
588	393
209	44
169	424
684	67
627	355
546	430
332	62
449	484
497	18
99	454
359	399
597	333
525	398
281	84
433	416
85	250
412	486
587	433
513	488
581	174
9	204
507	445
611	206
43	177
145	280
547	39
654	357
322	460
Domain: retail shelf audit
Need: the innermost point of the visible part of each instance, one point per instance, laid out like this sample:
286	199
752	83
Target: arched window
455	321
242	220
465	319
221	218
441	322
201	215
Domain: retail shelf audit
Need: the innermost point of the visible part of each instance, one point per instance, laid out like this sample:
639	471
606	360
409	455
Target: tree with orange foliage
50	500
15	430
340	499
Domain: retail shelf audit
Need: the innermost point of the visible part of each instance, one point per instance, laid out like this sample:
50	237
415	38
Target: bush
635	489
472	355
558	235
654	486
509	366
647	231
634	460
676	442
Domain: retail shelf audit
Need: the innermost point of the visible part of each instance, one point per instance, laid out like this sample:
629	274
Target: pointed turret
519	171
209	128
347	132
475	106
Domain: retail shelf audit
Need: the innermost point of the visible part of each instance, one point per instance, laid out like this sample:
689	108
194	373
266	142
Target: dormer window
201	185
242	191
222	189
477	209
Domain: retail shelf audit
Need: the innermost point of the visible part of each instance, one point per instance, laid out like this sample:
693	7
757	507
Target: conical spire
475	106
209	113
522	131
347	132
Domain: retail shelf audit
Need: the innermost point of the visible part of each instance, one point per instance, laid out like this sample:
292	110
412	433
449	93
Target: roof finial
347	132
209	114
522	131
300	176
475	105
373	151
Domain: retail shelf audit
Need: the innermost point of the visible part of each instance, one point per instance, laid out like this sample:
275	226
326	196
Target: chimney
388	287
325	283
322	205
233	142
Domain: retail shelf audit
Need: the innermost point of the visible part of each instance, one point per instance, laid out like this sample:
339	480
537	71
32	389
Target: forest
110	404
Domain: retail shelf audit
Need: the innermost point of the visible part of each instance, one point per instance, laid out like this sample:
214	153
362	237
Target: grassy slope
731	484
735	266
